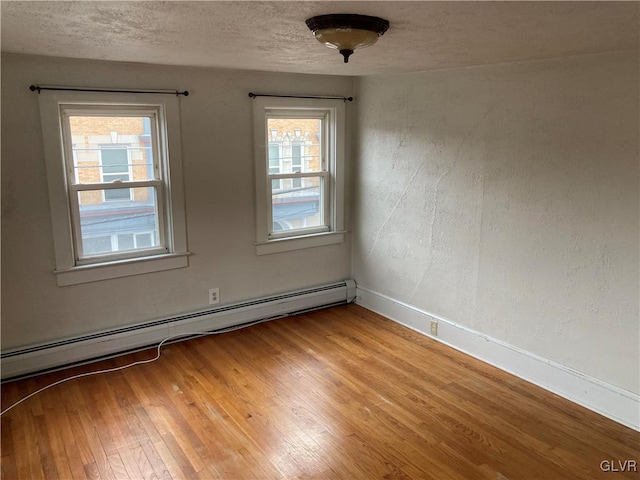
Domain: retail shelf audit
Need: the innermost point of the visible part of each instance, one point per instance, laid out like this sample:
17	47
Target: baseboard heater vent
94	346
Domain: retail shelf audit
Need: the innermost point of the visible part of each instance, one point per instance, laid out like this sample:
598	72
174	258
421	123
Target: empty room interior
231	252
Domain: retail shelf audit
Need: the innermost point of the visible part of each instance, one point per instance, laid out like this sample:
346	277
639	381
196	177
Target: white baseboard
85	348
601	397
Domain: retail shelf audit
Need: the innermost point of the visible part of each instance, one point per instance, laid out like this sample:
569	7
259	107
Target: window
274	162
296	163
115	166
116	190
299	173
115	209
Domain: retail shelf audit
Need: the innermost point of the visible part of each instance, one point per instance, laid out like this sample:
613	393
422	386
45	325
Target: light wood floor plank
340	393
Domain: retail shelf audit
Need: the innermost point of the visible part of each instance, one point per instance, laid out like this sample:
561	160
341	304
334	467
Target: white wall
218	169
505	198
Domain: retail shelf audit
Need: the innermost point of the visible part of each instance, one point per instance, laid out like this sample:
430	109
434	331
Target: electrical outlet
434	328
214	296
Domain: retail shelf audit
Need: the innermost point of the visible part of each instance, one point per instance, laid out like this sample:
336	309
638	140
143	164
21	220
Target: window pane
97	245
119	194
115	160
297	208
144	240
120	219
298	143
274	158
125	242
296	158
111	145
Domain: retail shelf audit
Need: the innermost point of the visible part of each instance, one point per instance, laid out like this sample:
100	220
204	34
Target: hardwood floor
339	393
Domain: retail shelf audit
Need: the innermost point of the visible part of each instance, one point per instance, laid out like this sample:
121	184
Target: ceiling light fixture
346	31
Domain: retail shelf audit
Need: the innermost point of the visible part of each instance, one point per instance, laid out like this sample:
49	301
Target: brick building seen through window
111	150
294	147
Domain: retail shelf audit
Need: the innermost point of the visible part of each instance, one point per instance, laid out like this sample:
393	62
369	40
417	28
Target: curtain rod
322	97
39	88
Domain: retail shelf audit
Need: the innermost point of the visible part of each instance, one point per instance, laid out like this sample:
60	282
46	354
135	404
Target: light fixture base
346	54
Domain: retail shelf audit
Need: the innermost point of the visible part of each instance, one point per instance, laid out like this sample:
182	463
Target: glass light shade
346	31
346	38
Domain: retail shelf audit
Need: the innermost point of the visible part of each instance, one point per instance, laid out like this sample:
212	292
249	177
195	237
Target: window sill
121	268
297	243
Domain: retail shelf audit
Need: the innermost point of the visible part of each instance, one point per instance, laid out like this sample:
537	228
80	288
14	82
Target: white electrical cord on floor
142	362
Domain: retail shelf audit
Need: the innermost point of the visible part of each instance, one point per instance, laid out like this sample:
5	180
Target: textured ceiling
272	35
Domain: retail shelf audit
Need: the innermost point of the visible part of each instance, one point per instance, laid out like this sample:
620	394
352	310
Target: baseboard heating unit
90	347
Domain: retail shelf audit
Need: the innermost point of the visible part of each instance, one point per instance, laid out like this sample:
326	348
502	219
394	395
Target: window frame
158	183
268	241
62	185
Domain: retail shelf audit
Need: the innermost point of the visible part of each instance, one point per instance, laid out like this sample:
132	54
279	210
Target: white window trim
67	271
334	201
